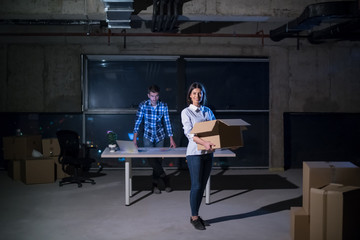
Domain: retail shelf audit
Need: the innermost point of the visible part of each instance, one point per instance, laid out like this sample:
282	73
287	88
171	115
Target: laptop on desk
127	146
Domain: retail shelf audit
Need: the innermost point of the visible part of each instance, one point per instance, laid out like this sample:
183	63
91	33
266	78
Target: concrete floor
245	204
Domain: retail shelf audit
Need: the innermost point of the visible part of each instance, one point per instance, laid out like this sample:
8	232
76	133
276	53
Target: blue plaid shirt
153	127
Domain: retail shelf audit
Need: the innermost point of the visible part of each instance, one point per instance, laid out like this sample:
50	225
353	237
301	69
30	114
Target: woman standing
199	161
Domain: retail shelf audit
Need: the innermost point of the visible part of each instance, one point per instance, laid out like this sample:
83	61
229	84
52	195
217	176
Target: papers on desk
155	149
127	146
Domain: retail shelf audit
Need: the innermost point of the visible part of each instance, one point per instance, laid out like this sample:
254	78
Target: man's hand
134	140
172	142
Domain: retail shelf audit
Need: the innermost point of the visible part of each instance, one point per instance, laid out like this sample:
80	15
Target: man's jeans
156	163
200	169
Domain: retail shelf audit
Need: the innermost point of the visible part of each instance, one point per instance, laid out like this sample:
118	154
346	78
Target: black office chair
71	160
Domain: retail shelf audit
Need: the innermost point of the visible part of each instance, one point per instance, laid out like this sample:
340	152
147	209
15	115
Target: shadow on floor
271	208
95	174
180	181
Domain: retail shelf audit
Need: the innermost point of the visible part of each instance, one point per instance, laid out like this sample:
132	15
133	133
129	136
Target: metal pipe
125	34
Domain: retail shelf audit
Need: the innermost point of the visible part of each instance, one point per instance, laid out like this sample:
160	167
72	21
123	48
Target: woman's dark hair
154	88
192	87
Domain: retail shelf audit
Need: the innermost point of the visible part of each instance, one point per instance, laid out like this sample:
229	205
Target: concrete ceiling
195	16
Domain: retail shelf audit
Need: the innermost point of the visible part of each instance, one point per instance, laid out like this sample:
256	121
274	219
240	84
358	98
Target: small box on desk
224	133
37	170
320	174
21	147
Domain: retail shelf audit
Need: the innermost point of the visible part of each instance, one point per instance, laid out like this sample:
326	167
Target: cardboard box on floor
9	148
318	211
320	174
37	170
343	213
300	224
334	212
59	173
14	169
224	133
50	147
21	147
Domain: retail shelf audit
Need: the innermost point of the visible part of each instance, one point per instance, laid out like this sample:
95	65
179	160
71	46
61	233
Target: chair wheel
79	185
93	183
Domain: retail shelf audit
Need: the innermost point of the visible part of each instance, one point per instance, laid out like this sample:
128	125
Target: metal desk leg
127	181
130	178
207	192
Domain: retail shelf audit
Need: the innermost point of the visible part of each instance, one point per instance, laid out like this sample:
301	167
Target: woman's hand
209	146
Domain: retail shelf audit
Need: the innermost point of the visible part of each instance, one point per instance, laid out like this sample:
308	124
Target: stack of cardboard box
331	196
22	166
51	150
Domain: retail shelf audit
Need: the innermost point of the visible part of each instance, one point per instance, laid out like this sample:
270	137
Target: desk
156	153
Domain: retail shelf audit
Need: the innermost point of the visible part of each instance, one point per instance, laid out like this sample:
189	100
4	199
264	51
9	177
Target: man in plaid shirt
152	111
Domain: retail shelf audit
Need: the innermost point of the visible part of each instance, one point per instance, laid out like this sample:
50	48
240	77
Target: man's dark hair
154	88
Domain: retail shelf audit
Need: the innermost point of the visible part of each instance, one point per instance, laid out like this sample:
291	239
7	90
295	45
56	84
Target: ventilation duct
165	15
118	13
343	18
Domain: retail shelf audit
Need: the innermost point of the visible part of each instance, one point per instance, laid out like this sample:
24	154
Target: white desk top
160	153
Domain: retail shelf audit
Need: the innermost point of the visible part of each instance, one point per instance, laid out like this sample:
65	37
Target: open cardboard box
334	212
224	133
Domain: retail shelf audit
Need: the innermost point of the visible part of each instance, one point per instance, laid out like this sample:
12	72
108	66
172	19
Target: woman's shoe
197	224
205	223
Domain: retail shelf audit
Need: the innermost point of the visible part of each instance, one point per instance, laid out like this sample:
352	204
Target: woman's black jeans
200	169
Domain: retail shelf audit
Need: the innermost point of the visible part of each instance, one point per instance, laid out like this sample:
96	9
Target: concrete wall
42	74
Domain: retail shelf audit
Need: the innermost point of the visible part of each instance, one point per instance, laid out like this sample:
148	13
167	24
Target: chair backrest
69	143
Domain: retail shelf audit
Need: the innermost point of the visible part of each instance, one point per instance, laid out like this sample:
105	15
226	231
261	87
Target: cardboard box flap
212	126
204	127
344	189
235	122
